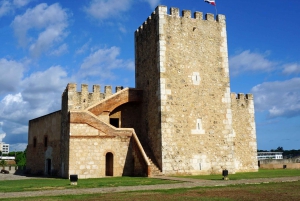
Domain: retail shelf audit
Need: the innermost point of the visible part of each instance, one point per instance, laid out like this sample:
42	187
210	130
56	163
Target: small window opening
34	142
46	141
114	122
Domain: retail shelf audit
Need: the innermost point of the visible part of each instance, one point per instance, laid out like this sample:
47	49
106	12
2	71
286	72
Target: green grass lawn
266	192
51	184
262	173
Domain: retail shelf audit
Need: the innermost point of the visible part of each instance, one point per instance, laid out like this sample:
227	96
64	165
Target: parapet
175	12
242	101
83	99
241	96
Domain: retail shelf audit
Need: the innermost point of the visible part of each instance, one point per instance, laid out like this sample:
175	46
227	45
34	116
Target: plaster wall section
147	76
196	125
245	132
88	155
37	151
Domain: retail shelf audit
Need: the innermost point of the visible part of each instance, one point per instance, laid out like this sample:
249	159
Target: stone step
155	171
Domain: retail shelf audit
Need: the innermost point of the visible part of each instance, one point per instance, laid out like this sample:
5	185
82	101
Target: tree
3	164
21	158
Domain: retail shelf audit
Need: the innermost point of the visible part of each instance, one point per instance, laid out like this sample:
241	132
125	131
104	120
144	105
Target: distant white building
269	155
4	148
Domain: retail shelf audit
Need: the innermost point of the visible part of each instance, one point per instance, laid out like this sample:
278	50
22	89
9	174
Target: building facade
4	148
180	119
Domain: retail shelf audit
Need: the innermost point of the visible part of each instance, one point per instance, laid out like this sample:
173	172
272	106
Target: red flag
212	2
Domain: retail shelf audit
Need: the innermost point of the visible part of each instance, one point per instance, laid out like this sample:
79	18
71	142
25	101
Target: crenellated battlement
83	98
175	12
241	96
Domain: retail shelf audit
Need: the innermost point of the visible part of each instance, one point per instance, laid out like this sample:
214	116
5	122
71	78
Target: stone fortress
181	117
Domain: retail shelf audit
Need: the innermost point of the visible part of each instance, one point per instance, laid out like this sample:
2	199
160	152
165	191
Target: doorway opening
114	122
109	164
48	165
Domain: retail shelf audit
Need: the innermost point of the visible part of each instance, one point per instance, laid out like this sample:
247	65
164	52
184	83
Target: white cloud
122	28
153	3
41	95
2	136
293	68
21	3
101	62
280	98
103	9
247	61
11	73
13	107
18	147
15	132
60	51
84	47
20	130
5	7
9	6
41	88
48	24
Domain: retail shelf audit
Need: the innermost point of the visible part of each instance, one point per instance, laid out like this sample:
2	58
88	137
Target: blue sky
46	44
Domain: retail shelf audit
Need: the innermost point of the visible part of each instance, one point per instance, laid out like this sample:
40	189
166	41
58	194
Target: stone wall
76	100
147	78
88	156
182	66
79	100
279	161
244	132
46	126
280	166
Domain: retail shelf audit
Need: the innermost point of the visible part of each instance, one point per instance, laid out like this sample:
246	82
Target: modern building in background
4	148
269	155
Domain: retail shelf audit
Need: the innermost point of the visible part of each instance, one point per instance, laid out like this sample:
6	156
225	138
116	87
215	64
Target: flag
212	2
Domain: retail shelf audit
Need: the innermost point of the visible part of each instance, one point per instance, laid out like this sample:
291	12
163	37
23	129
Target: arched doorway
109	164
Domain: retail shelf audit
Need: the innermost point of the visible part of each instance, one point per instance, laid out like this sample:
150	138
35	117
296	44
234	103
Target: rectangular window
34	142
46	141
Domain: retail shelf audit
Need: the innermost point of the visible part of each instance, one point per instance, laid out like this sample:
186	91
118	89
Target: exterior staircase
155	171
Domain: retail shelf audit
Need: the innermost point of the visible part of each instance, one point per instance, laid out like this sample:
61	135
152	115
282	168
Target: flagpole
212	2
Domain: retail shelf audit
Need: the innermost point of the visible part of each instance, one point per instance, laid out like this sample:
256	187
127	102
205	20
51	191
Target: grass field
288	191
52	184
262	173
271	191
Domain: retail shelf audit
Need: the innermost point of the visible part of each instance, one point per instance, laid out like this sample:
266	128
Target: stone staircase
155	171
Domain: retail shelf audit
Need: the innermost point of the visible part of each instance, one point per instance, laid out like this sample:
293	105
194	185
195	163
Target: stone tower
182	68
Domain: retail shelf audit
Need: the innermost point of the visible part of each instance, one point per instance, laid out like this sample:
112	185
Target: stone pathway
187	183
